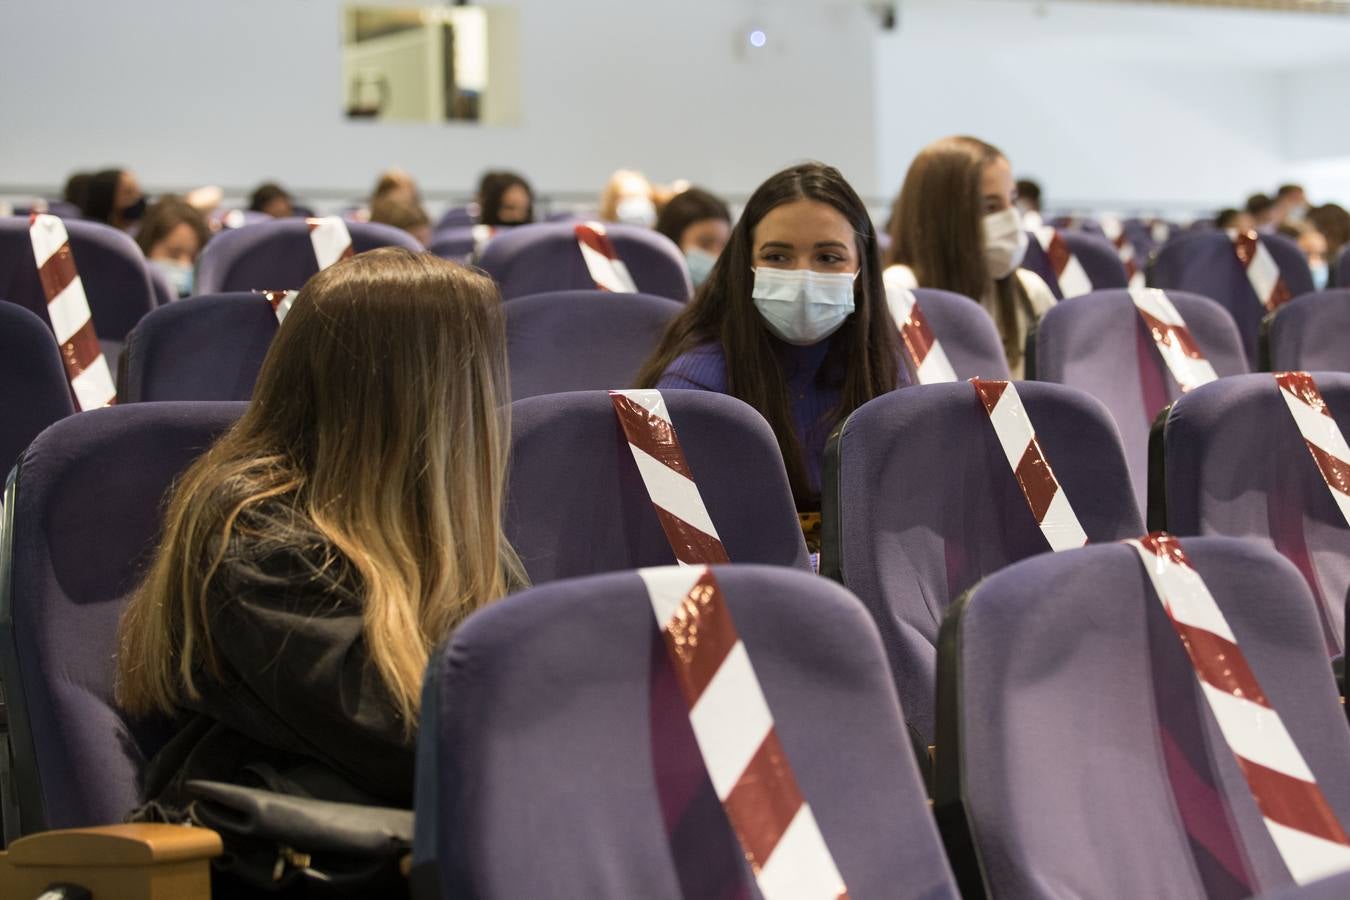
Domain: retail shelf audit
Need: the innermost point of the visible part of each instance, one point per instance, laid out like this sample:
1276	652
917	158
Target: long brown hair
937	224
379	424
723	312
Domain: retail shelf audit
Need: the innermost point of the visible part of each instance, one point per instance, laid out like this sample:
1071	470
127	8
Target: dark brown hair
723	312
686	208
167	214
490	190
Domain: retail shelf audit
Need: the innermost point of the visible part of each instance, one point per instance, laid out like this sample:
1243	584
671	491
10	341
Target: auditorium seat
112	269
1204	262
207	348
582	340
1311	332
455	243
1077	755
457	217
575	761
541	258
1337	887
1100	344
1095	254
919	503
576	504
966	332
1341	271
1230	460
278	255
34	392
86	506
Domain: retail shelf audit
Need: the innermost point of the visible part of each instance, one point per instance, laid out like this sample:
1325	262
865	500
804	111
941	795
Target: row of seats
1051	760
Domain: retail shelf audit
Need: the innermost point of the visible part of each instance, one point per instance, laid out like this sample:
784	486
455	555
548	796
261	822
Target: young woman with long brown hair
792	319
955	227
317	552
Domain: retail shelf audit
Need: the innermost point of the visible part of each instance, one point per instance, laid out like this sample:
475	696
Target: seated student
396	184
1231	218
628	198
271	198
394	210
700	225
171	235
792	319
114	198
504	199
955	228
314	556
1029	203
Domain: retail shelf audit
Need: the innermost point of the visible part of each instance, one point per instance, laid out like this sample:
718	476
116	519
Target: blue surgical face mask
1321	274
801	306
179	275
700	264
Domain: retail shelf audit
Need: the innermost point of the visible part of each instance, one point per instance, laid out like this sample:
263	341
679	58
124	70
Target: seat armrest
136	862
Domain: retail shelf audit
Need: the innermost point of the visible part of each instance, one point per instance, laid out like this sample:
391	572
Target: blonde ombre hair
380	425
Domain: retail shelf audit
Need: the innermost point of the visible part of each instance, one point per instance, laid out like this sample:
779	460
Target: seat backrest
582	340
278	255
1099	259
560	759
1309	333
545	257
1234	463
1038	261
576	503
1342	270
82	515
1100	344
967	333
1336	887
112	269
919	503
455	243
1205	263
206	348
455	217
1072	724
34	392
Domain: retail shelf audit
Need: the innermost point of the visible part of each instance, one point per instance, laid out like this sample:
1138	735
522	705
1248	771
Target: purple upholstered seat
1099	259
278	255
582	340
1310	332
1234	463
1337	887
114	273
457	216
34	392
1099	344
1073	731
454	243
967	333
1205	263
919	503
86	504
202	348
1341	271
1038	261
543	736
545	257
576	504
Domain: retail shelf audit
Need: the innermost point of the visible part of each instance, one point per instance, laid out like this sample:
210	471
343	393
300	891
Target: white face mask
1005	242
179	275
700	263
801	306
638	211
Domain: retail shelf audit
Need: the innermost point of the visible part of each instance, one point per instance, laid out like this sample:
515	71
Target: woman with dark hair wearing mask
505	199
700	225
114	198
955	227
792	319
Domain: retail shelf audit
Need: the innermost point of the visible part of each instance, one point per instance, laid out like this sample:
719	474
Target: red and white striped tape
1073	278
280	301
1114	229
331	240
1262	271
737	738
667	476
1047	500
602	260
1301	823
1174	341
925	353
1320	432
87	370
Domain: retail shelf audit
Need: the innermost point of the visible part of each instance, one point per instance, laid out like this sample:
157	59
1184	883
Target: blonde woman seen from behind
315	555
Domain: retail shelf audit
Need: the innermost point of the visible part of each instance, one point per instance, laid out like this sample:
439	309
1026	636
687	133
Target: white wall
1107	105
189	91
1318	129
